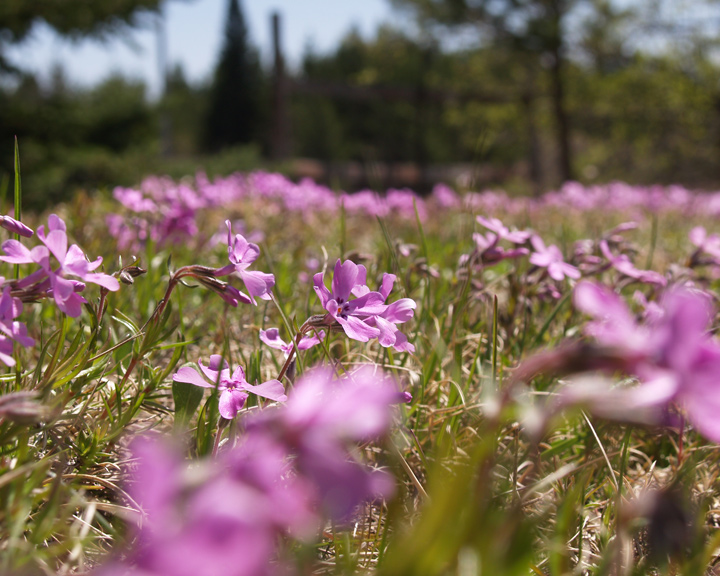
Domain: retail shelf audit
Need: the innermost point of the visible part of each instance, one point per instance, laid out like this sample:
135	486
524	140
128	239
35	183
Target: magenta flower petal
272	389
357	329
343	281
258	284
230	403
388	331
271	337
56	242
400	311
540	259
321	290
17	253
211	371
191	376
307	342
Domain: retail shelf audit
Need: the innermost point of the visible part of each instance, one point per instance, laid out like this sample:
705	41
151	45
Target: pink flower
395	313
321	418
502	232
674	357
73	262
349	279
490	252
551	258
622	264
234	390
242	254
271	337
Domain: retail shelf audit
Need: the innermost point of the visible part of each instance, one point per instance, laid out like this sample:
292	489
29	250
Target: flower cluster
366	316
59	282
291	469
62	274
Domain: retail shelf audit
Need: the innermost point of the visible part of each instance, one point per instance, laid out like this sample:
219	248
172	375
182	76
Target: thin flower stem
291	354
159	309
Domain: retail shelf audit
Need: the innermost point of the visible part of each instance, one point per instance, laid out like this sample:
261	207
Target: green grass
478	491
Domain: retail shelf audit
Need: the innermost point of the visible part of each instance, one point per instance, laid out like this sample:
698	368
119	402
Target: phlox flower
622	264
227	515
12	330
200	522
503	232
490	252
349	279
242	254
234	389
708	245
320	419
397	312
271	337
674	356
73	262
551	258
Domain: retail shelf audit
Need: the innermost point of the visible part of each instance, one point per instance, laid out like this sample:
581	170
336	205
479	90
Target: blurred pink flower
551	258
674	356
503	232
321	418
622	264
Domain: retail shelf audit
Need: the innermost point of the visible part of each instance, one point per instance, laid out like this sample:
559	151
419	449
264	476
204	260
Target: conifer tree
234	105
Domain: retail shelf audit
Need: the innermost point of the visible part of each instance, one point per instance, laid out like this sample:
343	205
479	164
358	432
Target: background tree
534	31
234	110
72	18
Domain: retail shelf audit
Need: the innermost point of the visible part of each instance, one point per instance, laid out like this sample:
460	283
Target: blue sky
194	32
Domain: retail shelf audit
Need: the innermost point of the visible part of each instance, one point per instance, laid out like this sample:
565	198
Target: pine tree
234	106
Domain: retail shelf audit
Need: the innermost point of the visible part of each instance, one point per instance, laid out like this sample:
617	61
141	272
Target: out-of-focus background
523	94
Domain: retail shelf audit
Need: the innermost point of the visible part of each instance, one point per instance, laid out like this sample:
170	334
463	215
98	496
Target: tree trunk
562	122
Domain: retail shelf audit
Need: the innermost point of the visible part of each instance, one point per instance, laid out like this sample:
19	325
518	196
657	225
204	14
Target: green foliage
72	18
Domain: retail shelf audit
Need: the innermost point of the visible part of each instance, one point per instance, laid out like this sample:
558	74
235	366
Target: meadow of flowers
250	376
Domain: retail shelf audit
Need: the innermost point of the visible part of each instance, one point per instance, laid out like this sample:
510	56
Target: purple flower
271	337
11	308
322	416
502	232
398	312
490	252
349	278
234	390
551	258
73	262
241	254
613	324
223	524
674	357
622	264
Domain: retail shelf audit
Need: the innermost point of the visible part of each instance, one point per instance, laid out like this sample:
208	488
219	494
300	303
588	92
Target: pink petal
272	389
191	376
230	403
